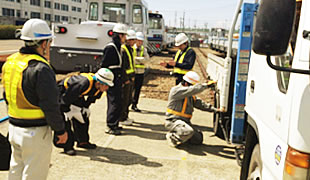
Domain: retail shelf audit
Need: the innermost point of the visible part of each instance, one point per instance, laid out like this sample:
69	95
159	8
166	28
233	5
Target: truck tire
216	118
255	166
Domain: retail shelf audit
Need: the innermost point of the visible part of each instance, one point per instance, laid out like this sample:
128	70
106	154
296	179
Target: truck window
286	60
137	14
93	11
113	12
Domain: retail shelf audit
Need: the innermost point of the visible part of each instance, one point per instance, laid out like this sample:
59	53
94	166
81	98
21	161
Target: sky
202	13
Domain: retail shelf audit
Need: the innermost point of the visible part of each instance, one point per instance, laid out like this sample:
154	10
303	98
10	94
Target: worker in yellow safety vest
141	56
77	93
184	59
31	93
181	104
128	80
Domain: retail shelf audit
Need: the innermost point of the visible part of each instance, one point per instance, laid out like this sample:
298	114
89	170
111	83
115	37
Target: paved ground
142	152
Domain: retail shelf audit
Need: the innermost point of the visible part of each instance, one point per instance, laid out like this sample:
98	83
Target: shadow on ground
204	149
117	156
145	134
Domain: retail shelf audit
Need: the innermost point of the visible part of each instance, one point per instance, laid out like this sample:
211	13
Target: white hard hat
131	34
180	39
35	29
191	77
140	36
105	75
120	28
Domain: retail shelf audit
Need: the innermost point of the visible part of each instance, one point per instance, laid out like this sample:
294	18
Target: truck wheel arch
252	139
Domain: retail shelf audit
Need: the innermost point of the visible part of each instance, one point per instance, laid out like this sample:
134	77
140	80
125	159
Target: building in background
16	12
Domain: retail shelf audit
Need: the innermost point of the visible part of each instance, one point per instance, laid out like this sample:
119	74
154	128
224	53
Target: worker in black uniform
112	60
184	59
129	65
31	94
77	93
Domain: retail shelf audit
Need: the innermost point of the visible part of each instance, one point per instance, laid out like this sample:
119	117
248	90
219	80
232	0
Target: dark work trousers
79	133
137	88
114	95
127	99
179	78
81	130
70	142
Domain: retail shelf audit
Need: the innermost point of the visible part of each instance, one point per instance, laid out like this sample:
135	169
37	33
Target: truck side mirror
273	26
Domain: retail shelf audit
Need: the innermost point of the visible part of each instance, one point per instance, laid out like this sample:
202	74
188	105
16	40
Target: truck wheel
216	118
255	166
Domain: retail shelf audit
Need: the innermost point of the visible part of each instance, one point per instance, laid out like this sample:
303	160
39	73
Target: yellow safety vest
131	68
89	76
12	77
182	112
141	55
178	70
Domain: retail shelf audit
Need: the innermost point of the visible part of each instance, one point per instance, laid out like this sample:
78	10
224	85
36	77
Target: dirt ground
158	82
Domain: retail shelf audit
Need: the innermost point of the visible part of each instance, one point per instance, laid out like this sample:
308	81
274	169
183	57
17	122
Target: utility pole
184	21
175	19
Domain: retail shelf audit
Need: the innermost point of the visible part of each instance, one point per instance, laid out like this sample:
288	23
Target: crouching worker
181	103
75	105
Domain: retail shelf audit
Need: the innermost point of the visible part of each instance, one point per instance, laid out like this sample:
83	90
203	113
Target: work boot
135	108
171	140
127	122
87	145
113	131
70	152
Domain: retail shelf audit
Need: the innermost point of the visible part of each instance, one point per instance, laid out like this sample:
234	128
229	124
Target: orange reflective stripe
88	76
182	113
179	113
194	97
98	91
184	106
66	82
91	81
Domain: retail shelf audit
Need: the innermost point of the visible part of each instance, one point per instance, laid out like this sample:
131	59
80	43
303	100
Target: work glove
75	112
86	111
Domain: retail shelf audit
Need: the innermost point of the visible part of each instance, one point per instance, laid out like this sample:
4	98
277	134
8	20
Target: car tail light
296	165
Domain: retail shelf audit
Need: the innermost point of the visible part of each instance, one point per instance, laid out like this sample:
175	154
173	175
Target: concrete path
142	151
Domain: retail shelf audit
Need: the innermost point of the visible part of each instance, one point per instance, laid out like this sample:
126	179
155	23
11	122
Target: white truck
277	92
78	47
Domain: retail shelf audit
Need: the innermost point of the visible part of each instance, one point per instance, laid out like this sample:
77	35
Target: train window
286	60
113	12
93	11
137	14
155	21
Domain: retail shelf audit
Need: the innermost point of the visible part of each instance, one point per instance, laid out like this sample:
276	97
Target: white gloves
75	112
86	111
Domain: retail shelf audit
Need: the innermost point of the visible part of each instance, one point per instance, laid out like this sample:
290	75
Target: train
78	47
157	34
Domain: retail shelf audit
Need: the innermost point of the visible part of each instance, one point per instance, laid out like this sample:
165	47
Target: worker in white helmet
141	56
77	93
112	60
184	59
128	85
31	93
181	104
